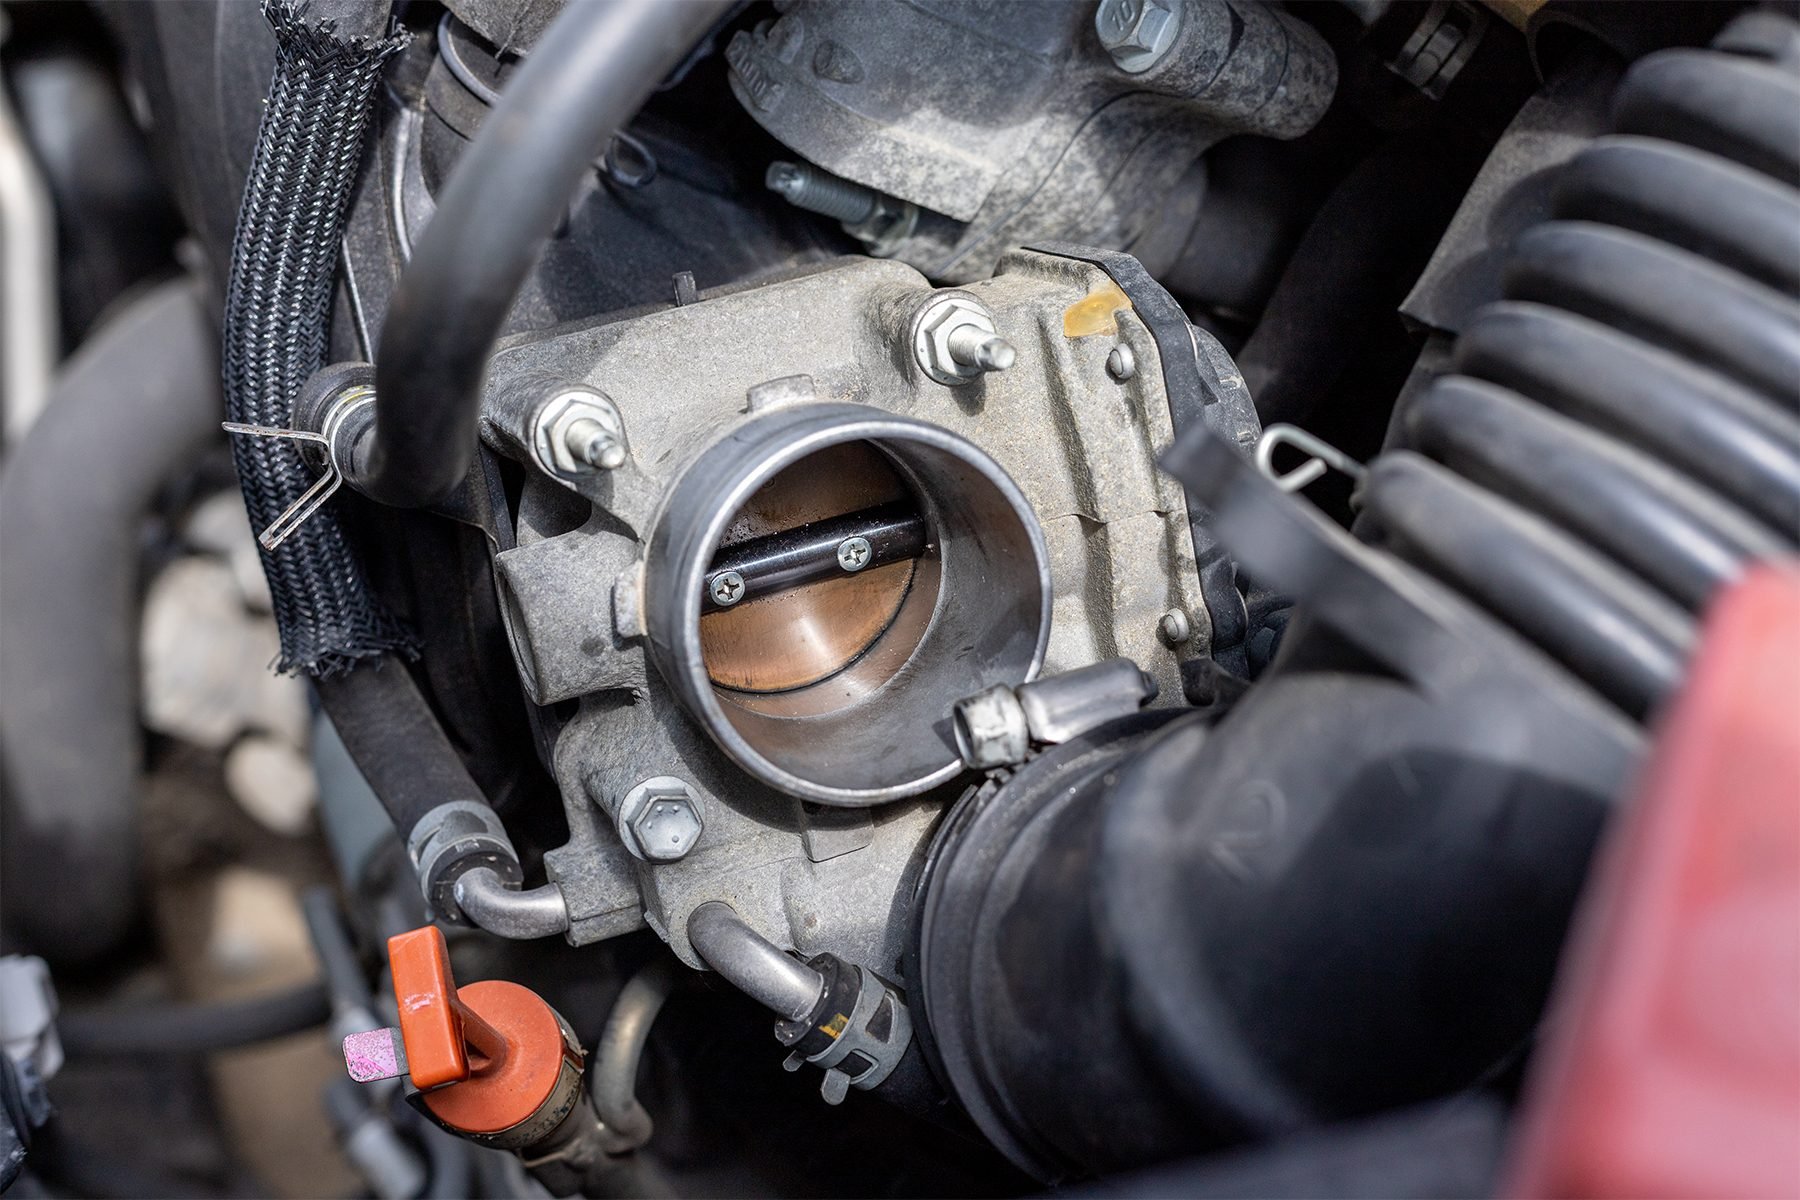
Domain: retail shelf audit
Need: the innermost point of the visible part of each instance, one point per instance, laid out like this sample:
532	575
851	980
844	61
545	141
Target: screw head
660	819
1121	364
1174	627
854	553
726	588
1137	33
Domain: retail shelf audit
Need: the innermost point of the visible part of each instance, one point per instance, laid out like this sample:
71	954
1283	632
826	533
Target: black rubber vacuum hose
586	77
195	1028
396	741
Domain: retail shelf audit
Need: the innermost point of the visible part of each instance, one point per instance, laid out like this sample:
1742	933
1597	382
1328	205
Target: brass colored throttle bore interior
800	636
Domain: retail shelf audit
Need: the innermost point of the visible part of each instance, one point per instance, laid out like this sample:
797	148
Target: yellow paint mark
1517	13
835	1026
1094	312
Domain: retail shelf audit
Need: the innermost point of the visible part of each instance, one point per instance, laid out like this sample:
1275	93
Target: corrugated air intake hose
277	308
1619	436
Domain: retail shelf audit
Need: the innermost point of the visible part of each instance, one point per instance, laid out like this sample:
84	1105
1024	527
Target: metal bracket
311	500
325	487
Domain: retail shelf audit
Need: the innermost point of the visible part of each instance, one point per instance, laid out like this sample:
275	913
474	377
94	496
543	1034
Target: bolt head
854	553
1174	627
660	820
942	316
784	179
667	828
726	588
1137	33
584	411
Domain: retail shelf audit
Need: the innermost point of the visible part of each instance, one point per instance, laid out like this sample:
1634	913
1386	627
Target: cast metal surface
1058	120
1079	444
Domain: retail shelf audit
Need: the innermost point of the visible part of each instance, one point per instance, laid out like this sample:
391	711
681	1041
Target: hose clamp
344	413
453	839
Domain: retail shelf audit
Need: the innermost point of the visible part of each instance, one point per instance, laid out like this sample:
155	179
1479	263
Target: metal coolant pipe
752	963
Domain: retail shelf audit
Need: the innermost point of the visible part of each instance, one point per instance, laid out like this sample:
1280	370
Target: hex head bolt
660	820
1137	33
955	342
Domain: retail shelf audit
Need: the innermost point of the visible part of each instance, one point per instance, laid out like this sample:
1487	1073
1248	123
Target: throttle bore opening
828	562
840	690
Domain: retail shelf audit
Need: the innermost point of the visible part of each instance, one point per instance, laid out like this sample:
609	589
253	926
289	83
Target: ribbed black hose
1667	297
1693	201
1719	432
1676	534
588	74
1604	623
277	310
1620	437
1737	108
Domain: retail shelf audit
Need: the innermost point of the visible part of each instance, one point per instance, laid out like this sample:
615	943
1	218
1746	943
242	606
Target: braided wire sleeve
277	312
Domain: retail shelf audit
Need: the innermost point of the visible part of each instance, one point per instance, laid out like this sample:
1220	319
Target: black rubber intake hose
135	405
1734	107
1674	533
1620	437
1594	616
1667	297
277	309
1696	202
587	76
1722	434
